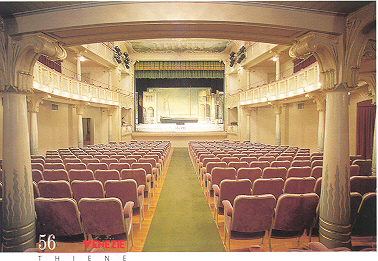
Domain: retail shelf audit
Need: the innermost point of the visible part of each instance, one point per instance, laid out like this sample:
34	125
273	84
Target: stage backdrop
186	103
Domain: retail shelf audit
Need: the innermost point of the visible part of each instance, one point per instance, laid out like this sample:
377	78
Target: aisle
182	220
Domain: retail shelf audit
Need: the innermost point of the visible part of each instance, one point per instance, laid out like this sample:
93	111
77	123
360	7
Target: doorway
88	131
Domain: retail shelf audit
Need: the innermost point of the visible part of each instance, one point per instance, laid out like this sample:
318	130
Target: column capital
320	100
325	49
80	107
34	100
18	56
110	110
277	107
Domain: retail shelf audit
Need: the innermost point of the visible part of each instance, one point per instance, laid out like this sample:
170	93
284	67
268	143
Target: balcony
293	86
62	86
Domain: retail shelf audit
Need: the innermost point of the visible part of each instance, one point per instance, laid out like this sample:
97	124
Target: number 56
50	242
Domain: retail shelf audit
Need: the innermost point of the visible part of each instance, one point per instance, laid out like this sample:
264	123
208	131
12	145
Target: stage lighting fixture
118	59
241	58
118	50
241	50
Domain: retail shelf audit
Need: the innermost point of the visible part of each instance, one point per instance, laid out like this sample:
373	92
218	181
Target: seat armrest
227	207
148	177
216	190
141	189
128	209
208	176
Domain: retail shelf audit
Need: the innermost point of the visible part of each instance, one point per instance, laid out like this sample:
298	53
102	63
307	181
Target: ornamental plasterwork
179	46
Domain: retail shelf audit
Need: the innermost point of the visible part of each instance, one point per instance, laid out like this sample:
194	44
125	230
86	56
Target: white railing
55	83
101	50
302	82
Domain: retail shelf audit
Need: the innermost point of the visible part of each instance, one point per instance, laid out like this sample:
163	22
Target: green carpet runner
182	221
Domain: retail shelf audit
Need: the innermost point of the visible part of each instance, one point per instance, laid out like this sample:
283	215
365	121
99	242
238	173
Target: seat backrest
58	216
87	189
106	174
119	166
229	159
109	160
81	174
54	189
300	163
260	164
128	161
366	220
100	156
299	185
240	155
37	175
205	161
354	170
97	166
55	174
249	173
316	157
252	213
53	166
96	219
284	158
365	166
37	166
363	184
315	163
248	159
274	172
71	160
238	165
294	172
146	166
283	163
218	174
210	165
86	161
304	158
125	190
139	175
316	172
318	186
355	201
267	158
38	160
295	212
204	155
53	160
152	161
80	165
272	186
229	189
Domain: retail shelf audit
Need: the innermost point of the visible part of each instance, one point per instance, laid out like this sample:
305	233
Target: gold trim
332	225
331	232
10	231
333	239
24	243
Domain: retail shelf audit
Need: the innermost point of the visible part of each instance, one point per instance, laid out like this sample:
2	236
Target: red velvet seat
248	217
274	172
299	185
87	189
54	189
249	173
80	174
272	186
97	221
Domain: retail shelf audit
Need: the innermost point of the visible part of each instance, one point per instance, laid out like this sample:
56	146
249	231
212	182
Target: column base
334	235
19	239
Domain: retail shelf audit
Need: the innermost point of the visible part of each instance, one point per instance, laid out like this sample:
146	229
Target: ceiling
337	7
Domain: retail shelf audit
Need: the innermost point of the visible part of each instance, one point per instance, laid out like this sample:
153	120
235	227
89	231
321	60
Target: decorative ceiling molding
180	45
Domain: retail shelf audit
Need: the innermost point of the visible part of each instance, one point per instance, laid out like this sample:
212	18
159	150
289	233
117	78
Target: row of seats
262	189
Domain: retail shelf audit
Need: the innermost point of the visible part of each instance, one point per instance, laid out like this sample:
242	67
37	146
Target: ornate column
334	210
34	100
320	100
278	67
78	66
17	59
80	136
110	124
248	112
278	110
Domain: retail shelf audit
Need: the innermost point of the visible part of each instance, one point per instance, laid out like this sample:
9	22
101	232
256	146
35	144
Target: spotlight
118	59
118	50
241	58
241	50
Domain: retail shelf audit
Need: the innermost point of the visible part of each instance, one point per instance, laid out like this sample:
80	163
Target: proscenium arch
120	21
